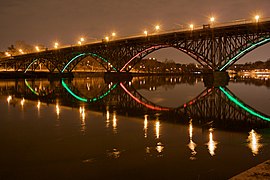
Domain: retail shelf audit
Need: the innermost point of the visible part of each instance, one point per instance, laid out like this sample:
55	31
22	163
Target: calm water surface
47	131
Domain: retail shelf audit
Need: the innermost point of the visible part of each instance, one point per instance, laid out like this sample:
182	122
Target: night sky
46	21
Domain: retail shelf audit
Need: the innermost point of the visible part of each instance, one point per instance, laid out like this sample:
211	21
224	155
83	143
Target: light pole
212	20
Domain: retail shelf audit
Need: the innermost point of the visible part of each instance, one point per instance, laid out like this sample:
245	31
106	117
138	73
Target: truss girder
214	47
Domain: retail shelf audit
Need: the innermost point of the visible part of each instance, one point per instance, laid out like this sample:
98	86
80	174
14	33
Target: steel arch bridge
216	47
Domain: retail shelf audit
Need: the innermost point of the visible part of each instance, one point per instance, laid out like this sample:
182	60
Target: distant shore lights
7	54
21	51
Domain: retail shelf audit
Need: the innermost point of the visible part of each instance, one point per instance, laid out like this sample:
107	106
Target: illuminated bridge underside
216	48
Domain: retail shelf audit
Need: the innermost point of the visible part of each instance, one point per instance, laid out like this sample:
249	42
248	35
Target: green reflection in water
32	90
241	105
84	99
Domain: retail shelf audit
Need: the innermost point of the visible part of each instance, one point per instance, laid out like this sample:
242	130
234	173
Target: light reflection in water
114	154
147	150
57	109
88	86
145	126
254	142
159	147
40	85
157	129
82	117
212	145
108	115
38	105
9	98
114	122
22	102
157	150
191	144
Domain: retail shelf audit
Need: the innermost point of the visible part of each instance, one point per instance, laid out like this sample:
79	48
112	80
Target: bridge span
215	47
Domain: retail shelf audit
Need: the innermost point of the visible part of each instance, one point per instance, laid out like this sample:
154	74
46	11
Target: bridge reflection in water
213	107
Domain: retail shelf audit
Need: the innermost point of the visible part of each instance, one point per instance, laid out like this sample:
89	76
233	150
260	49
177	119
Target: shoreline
261	171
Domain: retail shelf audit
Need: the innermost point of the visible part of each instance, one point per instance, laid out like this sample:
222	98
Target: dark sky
46	21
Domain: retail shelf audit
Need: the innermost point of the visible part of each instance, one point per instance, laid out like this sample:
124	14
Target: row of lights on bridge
113	35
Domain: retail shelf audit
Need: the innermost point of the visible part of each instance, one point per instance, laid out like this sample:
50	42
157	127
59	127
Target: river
158	127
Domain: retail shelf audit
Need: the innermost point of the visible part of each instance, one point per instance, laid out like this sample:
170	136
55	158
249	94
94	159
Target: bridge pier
117	76
216	79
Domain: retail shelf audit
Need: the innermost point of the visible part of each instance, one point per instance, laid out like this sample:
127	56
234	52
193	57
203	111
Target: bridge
217	105
215	46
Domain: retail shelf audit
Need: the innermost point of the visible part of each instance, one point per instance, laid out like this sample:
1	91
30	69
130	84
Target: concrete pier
216	79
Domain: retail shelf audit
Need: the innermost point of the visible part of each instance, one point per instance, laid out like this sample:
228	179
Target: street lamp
107	38
37	48
257	17
157	27
82	39
191	26
113	34
79	42
145	33
212	19
56	44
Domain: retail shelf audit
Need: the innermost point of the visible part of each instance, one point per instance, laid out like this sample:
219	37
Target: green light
85	54
73	94
72	61
244	51
28	85
84	99
238	103
30	65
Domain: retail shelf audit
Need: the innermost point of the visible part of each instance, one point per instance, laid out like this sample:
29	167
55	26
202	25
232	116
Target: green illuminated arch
85	54
245	51
35	60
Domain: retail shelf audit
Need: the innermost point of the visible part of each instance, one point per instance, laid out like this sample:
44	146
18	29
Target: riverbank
261	171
